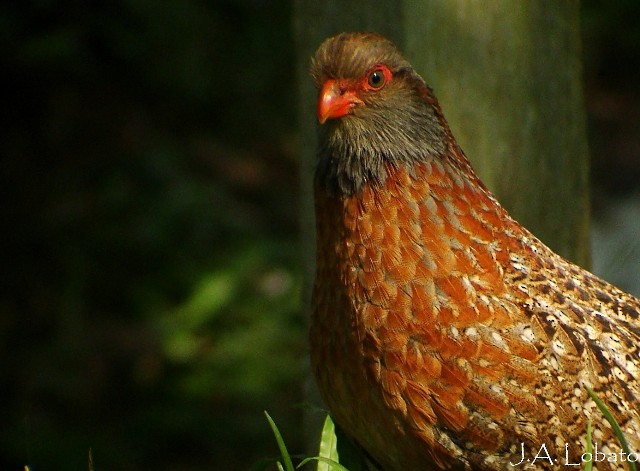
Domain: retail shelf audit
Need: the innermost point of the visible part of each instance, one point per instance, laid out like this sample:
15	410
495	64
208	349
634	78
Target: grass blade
614	424
589	465
288	464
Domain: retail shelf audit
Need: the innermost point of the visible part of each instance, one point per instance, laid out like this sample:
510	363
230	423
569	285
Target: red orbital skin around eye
337	100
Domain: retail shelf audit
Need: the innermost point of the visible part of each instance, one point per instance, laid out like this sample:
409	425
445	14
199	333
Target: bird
443	334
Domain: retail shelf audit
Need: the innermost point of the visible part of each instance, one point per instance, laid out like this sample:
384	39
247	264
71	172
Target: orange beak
334	103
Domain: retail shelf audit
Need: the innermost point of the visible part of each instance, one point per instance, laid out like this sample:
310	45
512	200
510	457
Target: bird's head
355	75
375	112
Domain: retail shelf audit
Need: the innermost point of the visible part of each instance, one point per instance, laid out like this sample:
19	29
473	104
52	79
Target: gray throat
354	153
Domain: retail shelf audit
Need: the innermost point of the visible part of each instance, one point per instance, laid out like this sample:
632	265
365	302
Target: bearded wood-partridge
444	335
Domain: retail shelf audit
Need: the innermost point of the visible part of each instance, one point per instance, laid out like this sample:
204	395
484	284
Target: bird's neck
356	152
427	223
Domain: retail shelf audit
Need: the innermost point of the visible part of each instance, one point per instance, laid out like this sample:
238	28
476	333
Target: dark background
151	283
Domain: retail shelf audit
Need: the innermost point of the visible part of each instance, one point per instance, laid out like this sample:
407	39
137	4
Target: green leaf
328	445
331	464
614	424
288	464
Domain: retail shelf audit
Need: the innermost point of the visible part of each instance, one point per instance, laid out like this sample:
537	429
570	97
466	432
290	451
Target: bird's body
444	335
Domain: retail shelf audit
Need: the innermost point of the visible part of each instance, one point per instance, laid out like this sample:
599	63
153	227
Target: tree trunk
508	77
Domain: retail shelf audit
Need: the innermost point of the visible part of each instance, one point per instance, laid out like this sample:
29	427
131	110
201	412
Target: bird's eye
377	79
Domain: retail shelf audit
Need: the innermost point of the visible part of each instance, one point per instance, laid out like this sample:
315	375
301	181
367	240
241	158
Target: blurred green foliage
150	303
